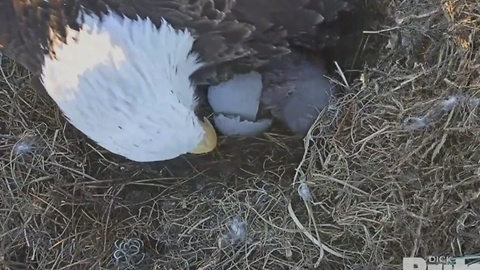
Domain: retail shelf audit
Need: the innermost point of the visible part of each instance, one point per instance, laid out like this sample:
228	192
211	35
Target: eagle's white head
125	84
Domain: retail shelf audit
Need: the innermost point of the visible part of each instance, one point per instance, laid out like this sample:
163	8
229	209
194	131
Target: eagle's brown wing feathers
232	35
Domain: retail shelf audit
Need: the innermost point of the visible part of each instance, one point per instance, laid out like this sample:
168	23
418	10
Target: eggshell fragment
233	125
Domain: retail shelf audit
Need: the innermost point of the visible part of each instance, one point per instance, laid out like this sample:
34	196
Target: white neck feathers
125	84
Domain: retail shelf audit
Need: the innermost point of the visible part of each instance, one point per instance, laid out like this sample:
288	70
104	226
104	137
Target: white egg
238	96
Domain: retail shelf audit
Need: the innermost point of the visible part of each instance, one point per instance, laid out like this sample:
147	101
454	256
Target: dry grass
397	175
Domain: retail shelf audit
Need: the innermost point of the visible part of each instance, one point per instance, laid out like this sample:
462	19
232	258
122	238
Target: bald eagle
124	72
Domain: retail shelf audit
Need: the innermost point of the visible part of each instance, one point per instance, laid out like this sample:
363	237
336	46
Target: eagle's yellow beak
209	142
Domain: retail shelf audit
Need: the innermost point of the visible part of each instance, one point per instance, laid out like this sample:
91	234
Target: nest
396	174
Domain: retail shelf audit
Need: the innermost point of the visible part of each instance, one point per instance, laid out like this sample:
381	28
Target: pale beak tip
209	142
